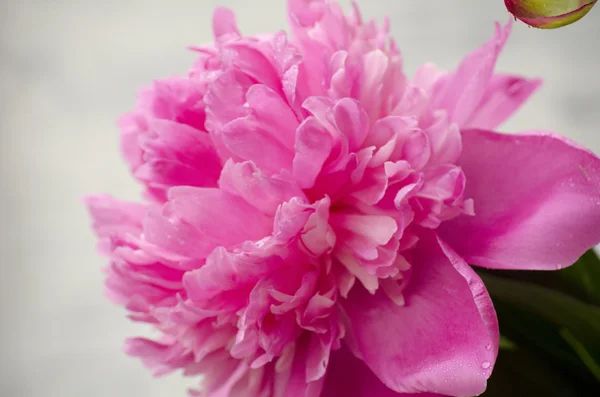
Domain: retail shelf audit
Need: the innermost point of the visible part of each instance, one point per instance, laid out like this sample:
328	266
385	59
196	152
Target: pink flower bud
549	14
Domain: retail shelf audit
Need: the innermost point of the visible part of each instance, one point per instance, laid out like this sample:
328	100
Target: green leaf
539	334
584	276
557	327
582	352
581	318
523	373
506	344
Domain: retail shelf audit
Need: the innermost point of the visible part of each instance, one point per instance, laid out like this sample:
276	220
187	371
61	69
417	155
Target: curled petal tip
549	14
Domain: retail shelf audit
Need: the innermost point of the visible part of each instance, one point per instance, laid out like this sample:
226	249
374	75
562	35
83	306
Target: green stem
582	352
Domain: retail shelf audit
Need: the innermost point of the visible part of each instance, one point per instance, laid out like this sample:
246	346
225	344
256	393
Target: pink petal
444	138
312	70
444	340
224	376
377	229
313	147
270	108
162	358
537	201
352	121
224	23
177	154
504	96
348	376
317	358
225	98
465	89
251	139
417	149
375	66
260	127
131	126
226	279
196	220
262	192
253	59
387	134
317	236
110	215
292	381
297	82
305	12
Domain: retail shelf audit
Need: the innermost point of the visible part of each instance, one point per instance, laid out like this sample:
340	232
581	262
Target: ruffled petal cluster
310	212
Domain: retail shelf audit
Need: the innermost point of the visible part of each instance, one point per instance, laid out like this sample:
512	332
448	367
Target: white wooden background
69	67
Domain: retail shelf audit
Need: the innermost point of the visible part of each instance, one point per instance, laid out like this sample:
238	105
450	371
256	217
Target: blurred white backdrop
68	68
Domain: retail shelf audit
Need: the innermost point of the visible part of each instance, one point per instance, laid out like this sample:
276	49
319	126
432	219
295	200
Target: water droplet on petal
488	347
486	364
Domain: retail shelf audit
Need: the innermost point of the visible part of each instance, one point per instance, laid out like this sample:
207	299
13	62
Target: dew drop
488	347
486	364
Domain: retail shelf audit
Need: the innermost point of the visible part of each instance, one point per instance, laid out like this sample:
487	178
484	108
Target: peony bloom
549	14
310	212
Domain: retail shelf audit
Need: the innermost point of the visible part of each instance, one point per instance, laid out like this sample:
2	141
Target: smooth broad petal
443	340
349	376
505	94
537	201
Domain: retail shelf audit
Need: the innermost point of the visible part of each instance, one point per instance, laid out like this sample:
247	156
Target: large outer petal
444	340
348	376
537	201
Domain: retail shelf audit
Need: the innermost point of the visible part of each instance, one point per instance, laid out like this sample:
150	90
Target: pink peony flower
311	211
